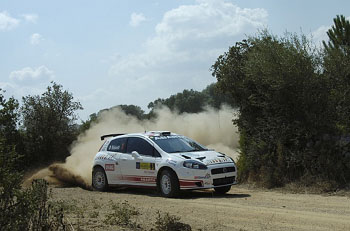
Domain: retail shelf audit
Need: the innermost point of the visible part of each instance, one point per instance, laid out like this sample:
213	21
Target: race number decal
109	167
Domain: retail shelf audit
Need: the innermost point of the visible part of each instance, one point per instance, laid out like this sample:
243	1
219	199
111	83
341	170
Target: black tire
222	190
168	184
99	179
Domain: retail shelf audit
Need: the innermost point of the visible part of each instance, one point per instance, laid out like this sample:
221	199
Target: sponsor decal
172	162
219	160
140	179
146	166
203	177
109	167
207	182
105	157
147	179
166	137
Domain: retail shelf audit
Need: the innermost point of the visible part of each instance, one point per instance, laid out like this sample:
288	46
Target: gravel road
242	208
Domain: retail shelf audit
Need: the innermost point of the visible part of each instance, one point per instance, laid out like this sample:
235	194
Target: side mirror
136	155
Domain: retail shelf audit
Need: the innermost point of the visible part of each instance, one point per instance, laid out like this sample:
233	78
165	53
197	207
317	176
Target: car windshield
174	144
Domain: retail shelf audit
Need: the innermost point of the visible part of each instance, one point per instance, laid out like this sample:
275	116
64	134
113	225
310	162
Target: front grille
222	170
223	181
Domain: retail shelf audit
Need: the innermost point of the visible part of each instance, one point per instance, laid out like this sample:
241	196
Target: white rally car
161	159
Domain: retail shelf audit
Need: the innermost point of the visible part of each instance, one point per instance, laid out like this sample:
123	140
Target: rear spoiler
110	135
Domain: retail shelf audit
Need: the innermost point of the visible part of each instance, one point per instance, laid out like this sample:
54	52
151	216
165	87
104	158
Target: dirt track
241	209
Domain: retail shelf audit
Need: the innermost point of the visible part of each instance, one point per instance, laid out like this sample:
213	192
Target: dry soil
243	208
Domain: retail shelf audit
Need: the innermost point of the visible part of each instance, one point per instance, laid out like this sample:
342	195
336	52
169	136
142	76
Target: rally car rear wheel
222	190
99	179
168	184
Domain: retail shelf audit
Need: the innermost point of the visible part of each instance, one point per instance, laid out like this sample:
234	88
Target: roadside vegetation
294	110
294	107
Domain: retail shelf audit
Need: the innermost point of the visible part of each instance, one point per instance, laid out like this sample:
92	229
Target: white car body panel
127	169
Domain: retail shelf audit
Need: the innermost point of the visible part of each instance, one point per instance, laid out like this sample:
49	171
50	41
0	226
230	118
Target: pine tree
339	35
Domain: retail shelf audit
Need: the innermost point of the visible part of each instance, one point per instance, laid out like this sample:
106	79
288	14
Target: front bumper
217	175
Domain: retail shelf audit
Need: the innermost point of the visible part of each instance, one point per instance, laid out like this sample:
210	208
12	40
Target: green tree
191	101
216	97
339	35
24	209
49	124
132	110
85	125
287	120
336	64
8	120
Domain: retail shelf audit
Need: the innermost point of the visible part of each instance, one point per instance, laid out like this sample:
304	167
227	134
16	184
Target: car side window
156	153
117	145
139	145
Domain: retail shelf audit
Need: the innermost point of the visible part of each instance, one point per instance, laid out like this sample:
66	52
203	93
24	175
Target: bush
168	222
290	124
24	209
122	214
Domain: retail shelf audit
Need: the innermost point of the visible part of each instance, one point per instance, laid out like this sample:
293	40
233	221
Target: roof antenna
144	127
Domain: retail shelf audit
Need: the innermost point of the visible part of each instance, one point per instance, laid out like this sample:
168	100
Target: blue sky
112	52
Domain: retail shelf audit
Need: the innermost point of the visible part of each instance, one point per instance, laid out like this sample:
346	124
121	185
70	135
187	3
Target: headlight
232	160
194	164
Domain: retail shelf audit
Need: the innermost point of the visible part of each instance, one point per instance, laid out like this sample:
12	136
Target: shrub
24	209
168	222
291	119
122	214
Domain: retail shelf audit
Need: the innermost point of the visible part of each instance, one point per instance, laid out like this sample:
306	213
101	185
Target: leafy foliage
287	117
130	110
24	209
122	215
9	118
168	222
336	64
48	122
133	110
191	101
339	35
188	101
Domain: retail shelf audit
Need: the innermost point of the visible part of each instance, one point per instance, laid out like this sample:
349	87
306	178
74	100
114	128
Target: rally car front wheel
168	184
99	179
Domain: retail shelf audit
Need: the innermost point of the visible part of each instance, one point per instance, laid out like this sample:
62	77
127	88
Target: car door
112	166
138	164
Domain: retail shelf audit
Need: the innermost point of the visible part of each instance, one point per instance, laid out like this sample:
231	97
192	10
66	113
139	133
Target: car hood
206	157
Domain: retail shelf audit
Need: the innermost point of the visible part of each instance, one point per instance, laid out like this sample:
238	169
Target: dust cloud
212	127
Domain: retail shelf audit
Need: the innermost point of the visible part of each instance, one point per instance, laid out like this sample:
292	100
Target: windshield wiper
198	150
177	151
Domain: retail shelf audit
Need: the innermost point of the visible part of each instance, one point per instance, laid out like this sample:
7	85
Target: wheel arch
97	166
165	168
